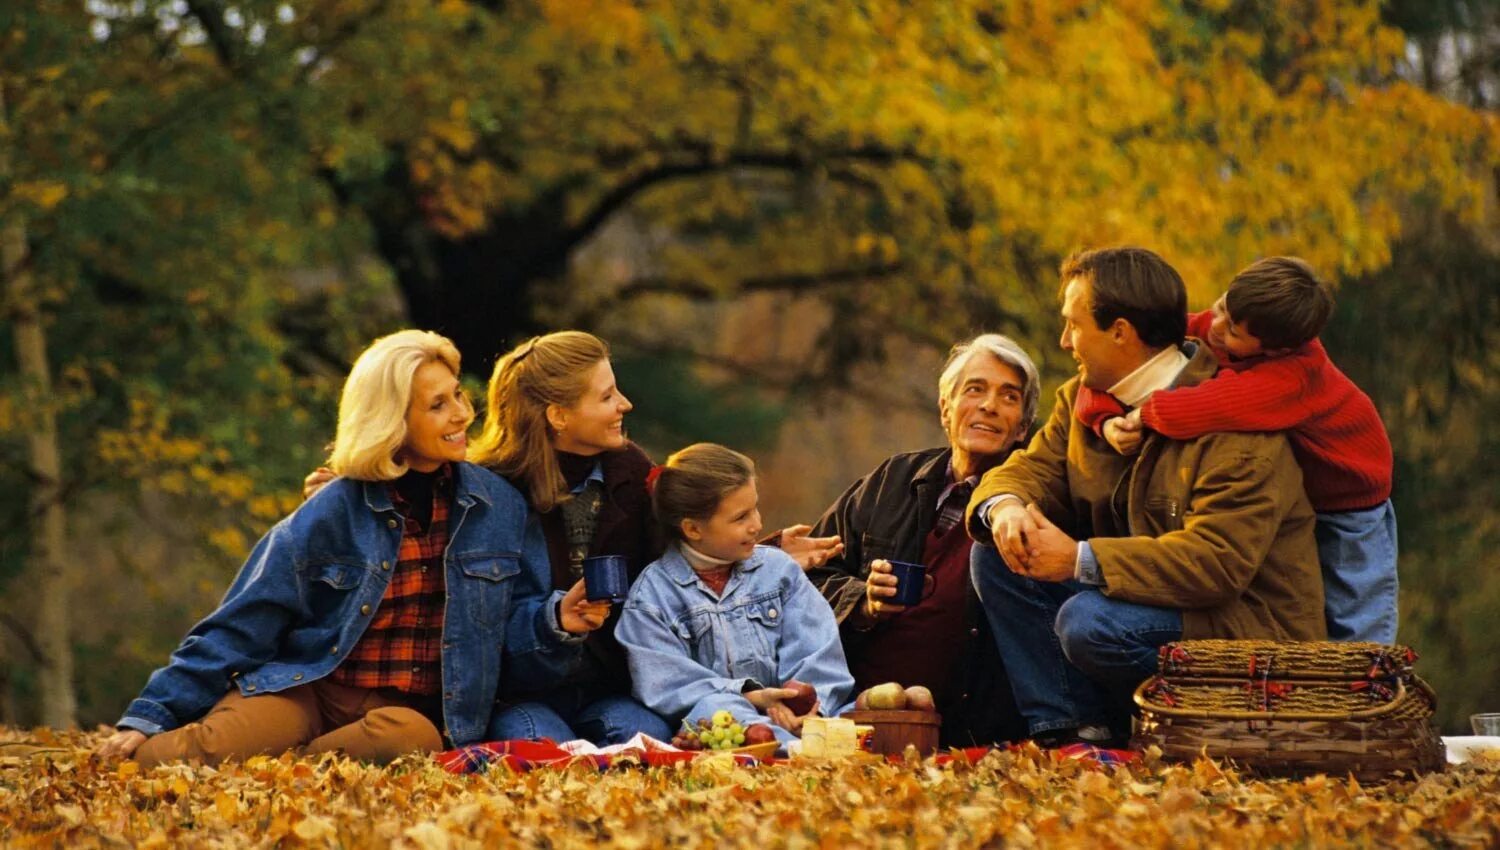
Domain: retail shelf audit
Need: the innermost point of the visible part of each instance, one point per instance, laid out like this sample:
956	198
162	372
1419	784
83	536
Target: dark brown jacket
888	514
1218	527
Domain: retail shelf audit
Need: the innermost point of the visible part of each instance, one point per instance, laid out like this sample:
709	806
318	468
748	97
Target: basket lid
1269	659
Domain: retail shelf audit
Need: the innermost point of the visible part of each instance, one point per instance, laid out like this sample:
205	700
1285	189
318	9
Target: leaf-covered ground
56	795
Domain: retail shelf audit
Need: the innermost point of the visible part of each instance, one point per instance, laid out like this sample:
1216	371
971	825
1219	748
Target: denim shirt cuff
1086	570
554	626
144	715
982	516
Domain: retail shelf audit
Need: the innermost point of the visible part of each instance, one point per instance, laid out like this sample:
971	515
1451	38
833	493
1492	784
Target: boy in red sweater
1276	376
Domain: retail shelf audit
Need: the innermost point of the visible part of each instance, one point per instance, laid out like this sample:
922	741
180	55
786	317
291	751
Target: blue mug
909	583
606	578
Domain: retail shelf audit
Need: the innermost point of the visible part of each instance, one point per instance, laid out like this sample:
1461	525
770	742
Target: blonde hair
516	440
376	396
694	481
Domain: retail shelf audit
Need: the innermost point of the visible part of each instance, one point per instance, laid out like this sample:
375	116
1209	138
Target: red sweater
1335	431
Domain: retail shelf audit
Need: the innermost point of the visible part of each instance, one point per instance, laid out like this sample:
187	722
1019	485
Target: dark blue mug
606	578
909	583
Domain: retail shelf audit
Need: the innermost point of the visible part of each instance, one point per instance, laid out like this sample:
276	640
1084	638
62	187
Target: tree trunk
45	519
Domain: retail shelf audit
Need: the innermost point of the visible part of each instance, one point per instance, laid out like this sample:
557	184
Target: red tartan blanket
527	755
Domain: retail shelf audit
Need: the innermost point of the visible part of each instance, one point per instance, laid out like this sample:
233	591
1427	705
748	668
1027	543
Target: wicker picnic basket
1292	708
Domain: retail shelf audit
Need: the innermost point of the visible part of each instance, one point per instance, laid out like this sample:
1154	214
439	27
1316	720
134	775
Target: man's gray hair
1006	351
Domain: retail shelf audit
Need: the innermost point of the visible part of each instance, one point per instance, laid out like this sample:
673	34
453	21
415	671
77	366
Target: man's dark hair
1136	285
1280	300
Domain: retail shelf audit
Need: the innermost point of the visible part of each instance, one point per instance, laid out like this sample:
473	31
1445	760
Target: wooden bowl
894	730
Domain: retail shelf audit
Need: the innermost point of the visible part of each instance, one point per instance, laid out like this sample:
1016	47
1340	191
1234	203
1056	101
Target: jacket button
965	697
391	523
973	633
385	565
364	609
771	613
296	677
335	651
249	688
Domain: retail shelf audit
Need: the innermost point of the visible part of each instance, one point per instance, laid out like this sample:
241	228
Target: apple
760	733
887	696
919	698
802	703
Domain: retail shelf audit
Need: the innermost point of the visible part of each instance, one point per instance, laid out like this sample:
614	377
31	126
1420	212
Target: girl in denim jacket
376	614
718	622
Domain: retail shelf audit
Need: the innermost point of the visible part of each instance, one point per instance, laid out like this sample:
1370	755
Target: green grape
739	739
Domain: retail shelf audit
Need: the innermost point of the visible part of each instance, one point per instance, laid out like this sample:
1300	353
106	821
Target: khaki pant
363	723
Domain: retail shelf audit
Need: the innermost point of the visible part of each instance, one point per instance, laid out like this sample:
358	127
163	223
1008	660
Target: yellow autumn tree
950	151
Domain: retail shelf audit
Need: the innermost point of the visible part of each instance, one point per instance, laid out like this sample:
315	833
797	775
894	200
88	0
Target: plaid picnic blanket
529	755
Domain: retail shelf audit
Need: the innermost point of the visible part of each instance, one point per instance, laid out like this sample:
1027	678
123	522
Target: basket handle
1173	711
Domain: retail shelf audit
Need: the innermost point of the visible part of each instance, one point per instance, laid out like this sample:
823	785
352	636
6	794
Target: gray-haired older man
910	508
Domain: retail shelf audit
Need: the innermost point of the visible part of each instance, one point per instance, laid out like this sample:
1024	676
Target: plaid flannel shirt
402	647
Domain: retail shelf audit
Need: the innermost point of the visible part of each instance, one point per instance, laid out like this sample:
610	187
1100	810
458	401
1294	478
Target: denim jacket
305	595
692	652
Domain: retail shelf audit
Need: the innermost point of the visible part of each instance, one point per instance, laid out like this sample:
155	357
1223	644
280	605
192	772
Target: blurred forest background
779	212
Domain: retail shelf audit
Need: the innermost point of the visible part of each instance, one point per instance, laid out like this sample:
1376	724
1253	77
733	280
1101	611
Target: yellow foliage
1057	123
1021	797
42	193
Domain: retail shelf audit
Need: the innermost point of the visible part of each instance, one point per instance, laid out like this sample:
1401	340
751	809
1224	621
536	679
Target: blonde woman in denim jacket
336	635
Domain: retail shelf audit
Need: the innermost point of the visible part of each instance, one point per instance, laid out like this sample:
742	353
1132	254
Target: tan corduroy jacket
1218	527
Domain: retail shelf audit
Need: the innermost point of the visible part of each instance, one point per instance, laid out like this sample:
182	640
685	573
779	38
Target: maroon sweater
921	645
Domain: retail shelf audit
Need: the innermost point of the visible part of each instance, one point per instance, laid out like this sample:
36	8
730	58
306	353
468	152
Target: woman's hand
315	481
579	616
809	552
121	745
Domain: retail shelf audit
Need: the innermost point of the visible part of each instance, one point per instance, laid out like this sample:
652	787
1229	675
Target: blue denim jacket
304	597
691	652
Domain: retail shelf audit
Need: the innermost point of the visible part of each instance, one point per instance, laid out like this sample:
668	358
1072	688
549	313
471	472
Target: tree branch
696	290
620	196
785	377
24	637
210	15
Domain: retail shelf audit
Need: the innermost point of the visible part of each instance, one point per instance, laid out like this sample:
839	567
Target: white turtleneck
1158	373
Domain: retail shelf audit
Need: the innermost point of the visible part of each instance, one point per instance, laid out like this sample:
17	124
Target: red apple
802	703
760	733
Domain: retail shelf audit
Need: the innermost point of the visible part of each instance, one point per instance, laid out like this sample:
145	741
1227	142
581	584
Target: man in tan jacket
1099	559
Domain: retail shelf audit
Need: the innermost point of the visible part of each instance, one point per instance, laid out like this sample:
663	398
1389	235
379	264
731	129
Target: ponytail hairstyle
693	482
516	440
374	401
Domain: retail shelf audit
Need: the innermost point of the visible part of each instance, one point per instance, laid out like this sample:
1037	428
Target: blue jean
1357	550
1073	654
568	715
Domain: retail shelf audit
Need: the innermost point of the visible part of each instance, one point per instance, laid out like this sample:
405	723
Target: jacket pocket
764	619
1166	512
335	576
487	587
696	631
330	588
873	546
